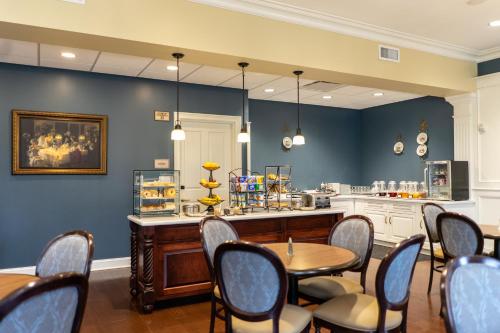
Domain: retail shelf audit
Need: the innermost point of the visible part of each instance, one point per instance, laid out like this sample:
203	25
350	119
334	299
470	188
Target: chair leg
405	319
429	288
307	328
317	327
213	311
363	281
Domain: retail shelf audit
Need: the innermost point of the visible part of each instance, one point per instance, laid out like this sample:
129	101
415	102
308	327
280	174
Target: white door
401	226
206	140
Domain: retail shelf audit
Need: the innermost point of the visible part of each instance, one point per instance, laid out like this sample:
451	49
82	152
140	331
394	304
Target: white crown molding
97	265
297	15
489	54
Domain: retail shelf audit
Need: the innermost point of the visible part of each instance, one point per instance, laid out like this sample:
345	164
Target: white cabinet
345	204
400	226
379	220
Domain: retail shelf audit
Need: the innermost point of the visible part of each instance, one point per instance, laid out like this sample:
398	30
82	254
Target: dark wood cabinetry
167	261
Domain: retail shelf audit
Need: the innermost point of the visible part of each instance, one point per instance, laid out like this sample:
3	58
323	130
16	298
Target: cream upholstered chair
69	252
356	234
213	232
469	288
430	211
459	235
253	285
53	304
385	313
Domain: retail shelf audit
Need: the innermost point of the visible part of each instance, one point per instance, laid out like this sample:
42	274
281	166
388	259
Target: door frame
233	121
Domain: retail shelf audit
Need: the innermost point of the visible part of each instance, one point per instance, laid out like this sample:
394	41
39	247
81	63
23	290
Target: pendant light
298	139
178	133
243	136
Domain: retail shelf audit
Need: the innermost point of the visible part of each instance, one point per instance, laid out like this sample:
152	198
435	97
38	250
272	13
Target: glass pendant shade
178	133
298	139
243	136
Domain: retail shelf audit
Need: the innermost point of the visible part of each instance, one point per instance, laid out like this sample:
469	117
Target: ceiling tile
252	80
50	56
119	64
291	95
18	52
280	85
158	70
352	90
210	75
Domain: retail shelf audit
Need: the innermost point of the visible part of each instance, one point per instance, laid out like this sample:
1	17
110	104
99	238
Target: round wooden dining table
492	232
12	282
311	259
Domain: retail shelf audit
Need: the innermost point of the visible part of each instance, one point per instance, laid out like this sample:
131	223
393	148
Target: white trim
97	265
280	11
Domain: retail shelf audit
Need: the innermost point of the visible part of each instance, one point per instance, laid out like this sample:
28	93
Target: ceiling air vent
322	86
388	53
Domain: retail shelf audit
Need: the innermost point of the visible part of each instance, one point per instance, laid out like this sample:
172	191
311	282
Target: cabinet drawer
402	207
185	233
374	206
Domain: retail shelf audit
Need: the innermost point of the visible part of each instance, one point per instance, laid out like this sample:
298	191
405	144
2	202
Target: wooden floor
109	307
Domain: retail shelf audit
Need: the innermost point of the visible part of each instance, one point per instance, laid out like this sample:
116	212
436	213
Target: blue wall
488	67
331	152
33	209
381	125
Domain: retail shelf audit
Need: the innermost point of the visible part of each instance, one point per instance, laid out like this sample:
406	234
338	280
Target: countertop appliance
339	188
447	180
317	199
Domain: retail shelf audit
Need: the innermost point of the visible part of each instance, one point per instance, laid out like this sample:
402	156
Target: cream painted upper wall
219	37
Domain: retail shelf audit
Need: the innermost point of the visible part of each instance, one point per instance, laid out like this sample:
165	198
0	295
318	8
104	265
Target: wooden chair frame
274	312
446	278
214	311
467	220
79	281
434	259
90	254
383	303
361	269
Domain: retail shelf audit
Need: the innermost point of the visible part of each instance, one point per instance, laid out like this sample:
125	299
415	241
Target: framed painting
53	143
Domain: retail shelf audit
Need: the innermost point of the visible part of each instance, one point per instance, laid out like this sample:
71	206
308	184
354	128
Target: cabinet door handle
385	219
420	224
390	219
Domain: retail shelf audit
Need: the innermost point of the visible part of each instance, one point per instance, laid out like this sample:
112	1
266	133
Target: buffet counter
414	201
167	260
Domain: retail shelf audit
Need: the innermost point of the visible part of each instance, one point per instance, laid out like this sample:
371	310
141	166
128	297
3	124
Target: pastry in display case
156	192
278	187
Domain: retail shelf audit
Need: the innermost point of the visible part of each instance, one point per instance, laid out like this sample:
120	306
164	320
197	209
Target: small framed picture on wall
58	143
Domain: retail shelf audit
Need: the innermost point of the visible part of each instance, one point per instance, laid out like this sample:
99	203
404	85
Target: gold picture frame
55	143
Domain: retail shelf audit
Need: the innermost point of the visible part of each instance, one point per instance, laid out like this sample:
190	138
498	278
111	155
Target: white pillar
464	108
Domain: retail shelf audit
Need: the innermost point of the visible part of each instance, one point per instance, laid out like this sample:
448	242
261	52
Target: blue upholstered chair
385	313
469	288
459	235
430	211
356	234
70	252
253	285
213	232
53	304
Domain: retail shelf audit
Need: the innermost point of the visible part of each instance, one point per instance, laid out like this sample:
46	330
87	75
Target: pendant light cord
178	70
243	94
298	102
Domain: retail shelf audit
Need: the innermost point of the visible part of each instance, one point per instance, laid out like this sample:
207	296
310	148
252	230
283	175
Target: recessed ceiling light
68	55
269	90
172	68
327	97
378	94
494	24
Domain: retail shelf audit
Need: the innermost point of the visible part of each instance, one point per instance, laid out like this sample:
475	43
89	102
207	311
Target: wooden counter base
167	261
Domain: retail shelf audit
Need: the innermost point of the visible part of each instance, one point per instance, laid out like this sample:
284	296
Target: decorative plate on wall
421	150
287	142
398	148
422	138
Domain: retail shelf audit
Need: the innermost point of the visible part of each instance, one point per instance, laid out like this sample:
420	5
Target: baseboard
97	265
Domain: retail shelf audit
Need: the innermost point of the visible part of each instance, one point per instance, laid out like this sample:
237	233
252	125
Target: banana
211	166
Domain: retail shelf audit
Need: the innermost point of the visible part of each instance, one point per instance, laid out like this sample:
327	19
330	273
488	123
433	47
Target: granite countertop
175	220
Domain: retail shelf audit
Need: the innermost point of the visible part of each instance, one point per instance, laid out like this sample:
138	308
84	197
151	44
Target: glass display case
447	180
246	192
156	192
279	187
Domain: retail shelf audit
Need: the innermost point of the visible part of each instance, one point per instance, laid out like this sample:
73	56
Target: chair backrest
54	304
430	211
469	288
69	252
394	276
355	233
459	235
252	281
213	232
